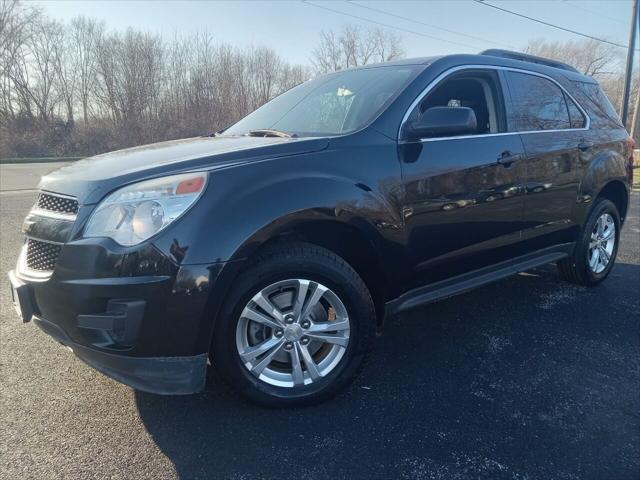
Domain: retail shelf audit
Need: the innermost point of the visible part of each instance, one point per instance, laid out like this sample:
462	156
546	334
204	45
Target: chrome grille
56	203
42	256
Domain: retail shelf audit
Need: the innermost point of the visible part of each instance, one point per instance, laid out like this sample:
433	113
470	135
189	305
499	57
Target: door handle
508	158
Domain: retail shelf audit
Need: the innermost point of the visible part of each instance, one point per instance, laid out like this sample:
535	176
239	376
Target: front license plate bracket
21	297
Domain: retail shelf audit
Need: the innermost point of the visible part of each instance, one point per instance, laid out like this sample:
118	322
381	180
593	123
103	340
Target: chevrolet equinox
274	249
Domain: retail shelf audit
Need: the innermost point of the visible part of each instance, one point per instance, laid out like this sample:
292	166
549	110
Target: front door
463	205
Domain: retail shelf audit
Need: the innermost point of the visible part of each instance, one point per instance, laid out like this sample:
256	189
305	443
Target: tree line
77	88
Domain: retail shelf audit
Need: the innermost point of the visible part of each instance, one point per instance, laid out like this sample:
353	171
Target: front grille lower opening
42	256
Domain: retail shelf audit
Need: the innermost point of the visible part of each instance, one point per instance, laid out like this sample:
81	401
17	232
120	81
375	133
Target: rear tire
313	331
596	248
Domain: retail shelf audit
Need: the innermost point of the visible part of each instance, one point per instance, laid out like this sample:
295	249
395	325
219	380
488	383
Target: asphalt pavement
527	378
24	176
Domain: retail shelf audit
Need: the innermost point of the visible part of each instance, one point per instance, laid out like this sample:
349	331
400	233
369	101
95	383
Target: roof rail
524	57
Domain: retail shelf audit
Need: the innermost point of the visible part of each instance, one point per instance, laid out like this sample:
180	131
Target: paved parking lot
528	378
24	176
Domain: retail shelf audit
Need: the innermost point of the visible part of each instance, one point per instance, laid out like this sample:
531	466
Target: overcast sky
292	27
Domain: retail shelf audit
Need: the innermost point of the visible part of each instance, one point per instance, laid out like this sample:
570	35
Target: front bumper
160	375
149	328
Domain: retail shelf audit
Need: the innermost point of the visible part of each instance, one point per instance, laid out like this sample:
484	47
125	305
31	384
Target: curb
26	161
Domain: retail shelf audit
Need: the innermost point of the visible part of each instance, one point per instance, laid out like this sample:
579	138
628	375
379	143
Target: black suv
274	249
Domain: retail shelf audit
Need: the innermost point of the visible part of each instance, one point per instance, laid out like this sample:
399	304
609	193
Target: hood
90	179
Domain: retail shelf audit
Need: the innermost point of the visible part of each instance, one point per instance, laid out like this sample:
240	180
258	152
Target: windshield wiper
267	132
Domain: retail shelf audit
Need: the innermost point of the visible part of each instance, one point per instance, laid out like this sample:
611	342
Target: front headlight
136	212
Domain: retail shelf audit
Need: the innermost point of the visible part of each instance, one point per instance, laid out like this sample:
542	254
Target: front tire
596	249
296	328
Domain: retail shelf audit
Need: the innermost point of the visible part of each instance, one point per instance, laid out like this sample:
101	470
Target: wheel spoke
605	256
260	366
254	352
595	259
608	233
609	220
264	303
329	338
317	292
312	368
258	317
601	221
329	326
301	295
296	366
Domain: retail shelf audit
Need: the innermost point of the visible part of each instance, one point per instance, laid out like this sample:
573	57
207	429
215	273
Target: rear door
463	203
552	129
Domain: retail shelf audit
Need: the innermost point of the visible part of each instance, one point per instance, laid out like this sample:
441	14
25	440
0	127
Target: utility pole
635	123
624	108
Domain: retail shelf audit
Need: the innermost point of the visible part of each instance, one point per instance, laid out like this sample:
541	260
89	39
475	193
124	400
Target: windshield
334	104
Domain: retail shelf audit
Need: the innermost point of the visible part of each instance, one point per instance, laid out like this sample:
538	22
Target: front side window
478	90
538	104
334	104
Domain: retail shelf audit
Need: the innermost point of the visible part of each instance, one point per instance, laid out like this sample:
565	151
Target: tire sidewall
265	273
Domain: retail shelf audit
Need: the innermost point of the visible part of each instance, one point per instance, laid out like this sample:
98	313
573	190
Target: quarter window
576	117
597	104
538	104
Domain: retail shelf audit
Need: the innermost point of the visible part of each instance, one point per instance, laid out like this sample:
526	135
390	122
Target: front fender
245	206
230	223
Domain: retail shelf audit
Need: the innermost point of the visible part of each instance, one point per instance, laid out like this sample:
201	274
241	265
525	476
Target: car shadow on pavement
526	378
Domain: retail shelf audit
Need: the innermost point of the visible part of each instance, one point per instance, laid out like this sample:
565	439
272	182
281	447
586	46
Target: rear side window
538	104
594	100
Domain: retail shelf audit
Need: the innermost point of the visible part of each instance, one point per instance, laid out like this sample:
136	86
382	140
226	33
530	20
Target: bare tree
264	66
132	87
353	47
129	68
589	57
85	36
35	72
292	75
15	30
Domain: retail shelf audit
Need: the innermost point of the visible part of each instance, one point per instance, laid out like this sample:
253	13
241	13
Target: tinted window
476	90
575	115
330	105
591	97
538	104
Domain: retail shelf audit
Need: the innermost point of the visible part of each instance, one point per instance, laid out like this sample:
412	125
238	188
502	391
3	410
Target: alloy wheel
293	333
602	243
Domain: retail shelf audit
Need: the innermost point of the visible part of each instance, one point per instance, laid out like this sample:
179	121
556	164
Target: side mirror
443	122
